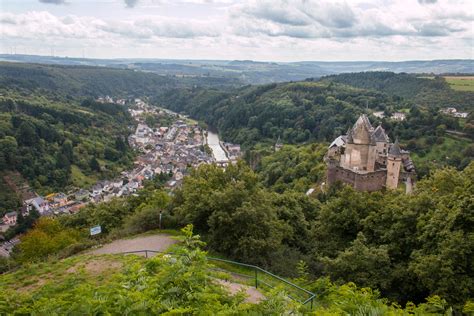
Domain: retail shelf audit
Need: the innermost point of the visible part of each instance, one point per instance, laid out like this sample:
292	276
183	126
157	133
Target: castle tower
360	153
394	161
278	144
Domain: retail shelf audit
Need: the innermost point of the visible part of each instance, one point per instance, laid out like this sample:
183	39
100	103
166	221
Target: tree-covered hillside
297	112
56	144
86	81
407	246
319	111
432	92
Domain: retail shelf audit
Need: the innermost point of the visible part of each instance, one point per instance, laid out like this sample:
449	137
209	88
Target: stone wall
372	181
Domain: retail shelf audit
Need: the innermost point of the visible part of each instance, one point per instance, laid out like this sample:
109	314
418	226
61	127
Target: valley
255	186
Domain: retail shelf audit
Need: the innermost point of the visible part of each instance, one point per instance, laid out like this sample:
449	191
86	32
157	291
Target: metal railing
266	278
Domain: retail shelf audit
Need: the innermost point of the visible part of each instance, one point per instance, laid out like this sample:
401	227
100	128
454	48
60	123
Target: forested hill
296	112
81	81
319	111
426	91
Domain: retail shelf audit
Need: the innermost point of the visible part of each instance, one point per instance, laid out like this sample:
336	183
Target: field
461	83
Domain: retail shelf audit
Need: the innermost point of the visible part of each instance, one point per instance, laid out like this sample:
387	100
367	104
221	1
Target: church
366	159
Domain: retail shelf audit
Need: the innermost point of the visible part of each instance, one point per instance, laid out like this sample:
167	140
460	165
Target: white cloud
264	29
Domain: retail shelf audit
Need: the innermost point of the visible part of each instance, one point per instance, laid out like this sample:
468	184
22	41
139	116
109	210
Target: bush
145	219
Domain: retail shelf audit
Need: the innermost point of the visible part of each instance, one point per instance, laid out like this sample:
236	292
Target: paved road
154	242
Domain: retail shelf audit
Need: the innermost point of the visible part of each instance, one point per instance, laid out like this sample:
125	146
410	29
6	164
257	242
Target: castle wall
372	181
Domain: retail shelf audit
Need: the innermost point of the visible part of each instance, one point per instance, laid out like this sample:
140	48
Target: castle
367	160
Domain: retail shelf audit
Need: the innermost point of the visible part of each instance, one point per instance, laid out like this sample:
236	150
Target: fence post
256	278
146	254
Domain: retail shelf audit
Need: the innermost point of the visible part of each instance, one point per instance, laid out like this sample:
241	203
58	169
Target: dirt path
161	243
253	295
154	242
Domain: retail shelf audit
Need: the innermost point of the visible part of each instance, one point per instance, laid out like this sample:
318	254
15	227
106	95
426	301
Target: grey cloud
427	1
145	29
131	3
334	15
320	19
53	1
437	29
277	13
8	19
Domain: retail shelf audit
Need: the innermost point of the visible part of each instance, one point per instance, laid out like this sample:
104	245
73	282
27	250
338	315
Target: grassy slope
465	83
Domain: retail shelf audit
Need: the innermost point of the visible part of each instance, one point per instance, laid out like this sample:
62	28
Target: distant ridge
256	72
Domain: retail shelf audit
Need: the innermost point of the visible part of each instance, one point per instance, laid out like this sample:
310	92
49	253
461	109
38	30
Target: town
166	151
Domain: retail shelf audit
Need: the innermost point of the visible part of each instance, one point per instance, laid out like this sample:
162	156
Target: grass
461	83
441	152
79	179
48	278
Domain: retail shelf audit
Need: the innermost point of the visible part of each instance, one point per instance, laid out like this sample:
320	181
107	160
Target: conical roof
380	135
278	142
362	130
395	149
363	120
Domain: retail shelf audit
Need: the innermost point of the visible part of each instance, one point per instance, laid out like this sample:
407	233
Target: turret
394	161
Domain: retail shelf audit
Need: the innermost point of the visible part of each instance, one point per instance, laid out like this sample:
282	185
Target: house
454	112
398	116
97	189
379	114
38	203
60	199
10	218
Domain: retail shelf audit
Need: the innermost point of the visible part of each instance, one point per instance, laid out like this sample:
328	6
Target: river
217	151
212	142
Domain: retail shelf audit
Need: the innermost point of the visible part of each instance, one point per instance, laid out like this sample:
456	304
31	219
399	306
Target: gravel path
154	242
253	295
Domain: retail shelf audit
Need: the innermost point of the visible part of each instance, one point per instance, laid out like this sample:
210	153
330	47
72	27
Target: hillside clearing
461	83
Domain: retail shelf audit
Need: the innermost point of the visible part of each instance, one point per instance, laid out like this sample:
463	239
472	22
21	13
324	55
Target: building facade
366	159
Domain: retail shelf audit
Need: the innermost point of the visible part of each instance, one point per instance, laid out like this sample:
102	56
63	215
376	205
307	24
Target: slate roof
395	149
380	135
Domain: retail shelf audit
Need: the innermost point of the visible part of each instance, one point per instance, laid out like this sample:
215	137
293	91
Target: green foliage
348	299
109	215
161	285
293	167
406	246
47	238
434	92
45	139
8	199
234	211
147	215
297	112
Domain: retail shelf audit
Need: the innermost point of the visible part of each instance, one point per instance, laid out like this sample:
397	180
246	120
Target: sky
265	30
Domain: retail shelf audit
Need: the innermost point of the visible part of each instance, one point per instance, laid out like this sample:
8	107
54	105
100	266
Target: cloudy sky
273	30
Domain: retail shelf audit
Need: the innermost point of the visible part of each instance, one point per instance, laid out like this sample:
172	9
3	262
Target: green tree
47	237
94	164
26	135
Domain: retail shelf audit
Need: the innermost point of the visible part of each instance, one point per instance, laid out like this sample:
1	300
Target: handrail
254	267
